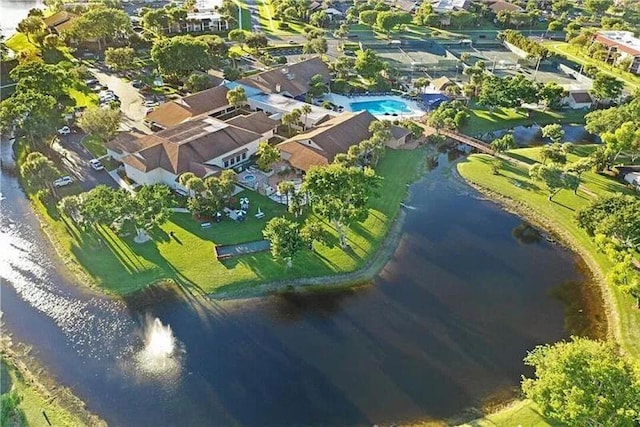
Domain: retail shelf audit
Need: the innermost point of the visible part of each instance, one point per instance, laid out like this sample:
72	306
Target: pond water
532	135
444	326
13	11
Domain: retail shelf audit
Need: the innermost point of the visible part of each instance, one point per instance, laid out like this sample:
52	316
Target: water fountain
159	352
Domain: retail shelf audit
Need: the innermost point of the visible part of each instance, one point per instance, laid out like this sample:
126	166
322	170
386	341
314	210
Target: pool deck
345	102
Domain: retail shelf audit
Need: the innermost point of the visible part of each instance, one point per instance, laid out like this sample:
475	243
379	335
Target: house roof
405	5
581	97
188	146
60	21
292	79
339	133
399	132
175	112
257	122
441	83
301	156
126	142
500	5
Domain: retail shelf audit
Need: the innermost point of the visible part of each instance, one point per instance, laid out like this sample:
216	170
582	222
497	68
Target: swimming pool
381	107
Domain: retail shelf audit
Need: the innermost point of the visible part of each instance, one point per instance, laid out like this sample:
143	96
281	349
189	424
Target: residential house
579	99
291	80
60	21
212	102
622	46
443	6
320	145
204	146
497	6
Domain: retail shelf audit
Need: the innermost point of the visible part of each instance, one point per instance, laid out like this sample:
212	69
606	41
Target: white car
65	130
64	181
96	165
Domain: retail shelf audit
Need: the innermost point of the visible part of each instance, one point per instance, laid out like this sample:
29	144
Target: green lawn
522	413
270	25
514	183
483	120
83	99
244	16
19	43
119	265
33	402
577	55
94	145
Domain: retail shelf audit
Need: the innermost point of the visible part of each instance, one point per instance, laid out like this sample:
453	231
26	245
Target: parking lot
76	161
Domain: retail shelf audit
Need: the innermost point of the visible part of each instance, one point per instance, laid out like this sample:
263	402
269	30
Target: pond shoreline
37	377
563	238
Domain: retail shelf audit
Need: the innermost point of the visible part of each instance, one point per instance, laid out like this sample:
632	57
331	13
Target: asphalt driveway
76	160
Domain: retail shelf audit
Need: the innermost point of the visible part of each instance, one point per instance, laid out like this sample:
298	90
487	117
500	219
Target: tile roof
292	78
581	97
301	156
175	112
187	146
257	122
61	20
126	142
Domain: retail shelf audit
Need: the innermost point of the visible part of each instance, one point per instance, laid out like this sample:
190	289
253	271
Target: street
76	160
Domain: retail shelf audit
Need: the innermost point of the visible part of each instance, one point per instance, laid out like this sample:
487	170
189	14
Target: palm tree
305	110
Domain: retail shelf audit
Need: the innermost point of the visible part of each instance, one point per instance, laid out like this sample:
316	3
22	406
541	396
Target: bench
206	225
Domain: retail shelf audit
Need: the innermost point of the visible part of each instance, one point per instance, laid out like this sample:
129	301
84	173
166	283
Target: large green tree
584	383
181	55
31	113
267	156
606	87
340	194
284	238
31	25
237	97
102	24
39	171
120	58
47	79
100	122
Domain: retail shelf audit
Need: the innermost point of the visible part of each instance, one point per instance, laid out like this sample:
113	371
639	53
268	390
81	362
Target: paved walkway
121	182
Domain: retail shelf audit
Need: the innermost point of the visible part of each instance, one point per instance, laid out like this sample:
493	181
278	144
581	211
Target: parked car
91	82
151	103
96	165
181	192
63	181
64	130
137	84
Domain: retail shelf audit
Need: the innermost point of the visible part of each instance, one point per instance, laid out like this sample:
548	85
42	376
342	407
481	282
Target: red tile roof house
204	146
320	145
212	102
290	80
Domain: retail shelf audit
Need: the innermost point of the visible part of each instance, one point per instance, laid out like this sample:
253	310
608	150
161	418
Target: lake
443	327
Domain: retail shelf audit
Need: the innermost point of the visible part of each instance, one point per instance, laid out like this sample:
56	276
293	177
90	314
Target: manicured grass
522	413
94	145
33	402
119	265
514	183
483	120
244	16
578	55
83	99
270	24
19	43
